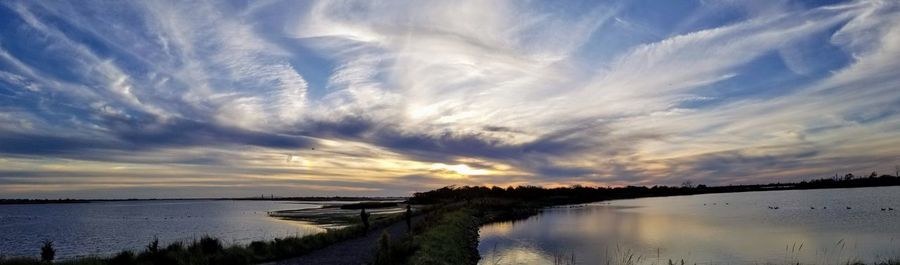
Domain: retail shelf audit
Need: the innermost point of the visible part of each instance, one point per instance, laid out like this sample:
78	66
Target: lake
731	228
108	227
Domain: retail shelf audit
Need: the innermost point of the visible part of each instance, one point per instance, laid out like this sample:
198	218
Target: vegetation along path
355	251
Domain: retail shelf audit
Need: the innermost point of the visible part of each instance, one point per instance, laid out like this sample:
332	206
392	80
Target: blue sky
216	98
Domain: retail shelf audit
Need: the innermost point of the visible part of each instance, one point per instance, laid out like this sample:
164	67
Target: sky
149	99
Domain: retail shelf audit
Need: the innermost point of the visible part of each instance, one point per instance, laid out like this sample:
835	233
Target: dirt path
355	251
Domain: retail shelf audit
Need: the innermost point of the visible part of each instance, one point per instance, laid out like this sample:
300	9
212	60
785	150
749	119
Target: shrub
383	254
123	258
259	249
19	261
153	247
234	255
175	246
207	245
47	252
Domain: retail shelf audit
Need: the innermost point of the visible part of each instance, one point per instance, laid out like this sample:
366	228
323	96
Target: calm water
108	227
745	231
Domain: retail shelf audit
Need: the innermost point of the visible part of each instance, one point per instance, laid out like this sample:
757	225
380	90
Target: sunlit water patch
811	227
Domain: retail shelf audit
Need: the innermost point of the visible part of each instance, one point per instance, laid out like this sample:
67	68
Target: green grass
449	233
452	239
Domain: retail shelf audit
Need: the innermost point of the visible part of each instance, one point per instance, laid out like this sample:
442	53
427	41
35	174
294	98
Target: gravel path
355	251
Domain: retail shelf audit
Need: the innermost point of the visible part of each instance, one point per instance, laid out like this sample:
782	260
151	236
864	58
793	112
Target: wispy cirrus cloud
234	99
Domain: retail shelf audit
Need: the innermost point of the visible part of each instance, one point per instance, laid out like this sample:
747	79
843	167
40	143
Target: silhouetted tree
582	194
206	245
153	247
849	176
47	252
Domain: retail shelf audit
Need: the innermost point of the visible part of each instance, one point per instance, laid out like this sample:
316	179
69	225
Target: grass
208	250
449	232
452	238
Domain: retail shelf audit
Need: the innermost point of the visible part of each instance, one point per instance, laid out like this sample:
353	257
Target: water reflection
730	229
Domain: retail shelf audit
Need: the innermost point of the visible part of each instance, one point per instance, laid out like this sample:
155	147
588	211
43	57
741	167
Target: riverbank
207	250
449	233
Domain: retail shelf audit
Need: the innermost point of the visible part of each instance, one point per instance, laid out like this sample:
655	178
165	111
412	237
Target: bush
259	249
383	254
123	258
19	261
175	247
234	255
153	247
207	245
47	252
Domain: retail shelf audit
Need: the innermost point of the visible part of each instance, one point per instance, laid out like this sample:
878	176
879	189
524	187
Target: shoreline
277	199
209	250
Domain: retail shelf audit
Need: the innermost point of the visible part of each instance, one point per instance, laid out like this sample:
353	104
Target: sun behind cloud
459	170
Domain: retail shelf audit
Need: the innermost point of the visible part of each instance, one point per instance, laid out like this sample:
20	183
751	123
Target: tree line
580	193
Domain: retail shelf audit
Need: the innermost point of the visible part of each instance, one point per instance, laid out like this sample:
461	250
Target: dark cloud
498	129
731	162
745	166
30	144
446	145
142	137
567	172
182	132
347	127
